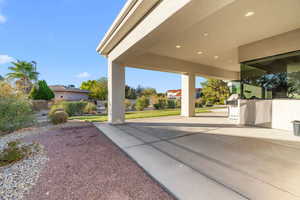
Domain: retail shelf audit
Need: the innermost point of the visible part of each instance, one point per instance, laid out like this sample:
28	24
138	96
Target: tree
139	91
130	93
215	91
98	88
24	73
149	92
1	78
41	91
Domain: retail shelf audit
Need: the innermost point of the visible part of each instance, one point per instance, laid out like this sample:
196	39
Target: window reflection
270	78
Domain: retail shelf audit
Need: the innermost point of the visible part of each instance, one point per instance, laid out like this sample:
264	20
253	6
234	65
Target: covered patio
214	159
198	38
207	156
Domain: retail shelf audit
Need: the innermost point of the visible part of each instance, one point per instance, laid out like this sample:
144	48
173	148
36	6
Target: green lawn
139	114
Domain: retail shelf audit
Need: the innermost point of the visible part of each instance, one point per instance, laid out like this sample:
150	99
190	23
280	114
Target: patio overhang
195	38
208	34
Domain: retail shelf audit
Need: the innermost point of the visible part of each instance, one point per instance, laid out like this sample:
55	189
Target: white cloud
4	59
83	75
2	19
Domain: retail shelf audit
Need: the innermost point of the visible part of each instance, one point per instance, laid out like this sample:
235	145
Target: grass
140	114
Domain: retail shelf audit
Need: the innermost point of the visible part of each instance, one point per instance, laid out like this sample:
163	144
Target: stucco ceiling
227	29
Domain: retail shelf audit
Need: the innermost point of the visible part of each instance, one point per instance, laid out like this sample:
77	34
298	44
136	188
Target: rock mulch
84	164
17	179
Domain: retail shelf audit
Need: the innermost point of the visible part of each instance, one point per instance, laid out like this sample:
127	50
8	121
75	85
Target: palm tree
24	73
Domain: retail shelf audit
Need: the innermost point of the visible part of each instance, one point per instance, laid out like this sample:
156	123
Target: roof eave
131	14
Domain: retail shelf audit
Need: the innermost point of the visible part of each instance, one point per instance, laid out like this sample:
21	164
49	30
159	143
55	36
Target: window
273	77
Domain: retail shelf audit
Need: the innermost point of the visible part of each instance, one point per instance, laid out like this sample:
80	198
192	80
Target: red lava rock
85	165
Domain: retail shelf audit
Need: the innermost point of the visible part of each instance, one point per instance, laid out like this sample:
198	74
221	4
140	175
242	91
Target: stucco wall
284	112
275	113
279	44
256	113
71	96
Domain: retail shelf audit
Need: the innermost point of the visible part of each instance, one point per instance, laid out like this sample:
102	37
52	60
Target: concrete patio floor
208	157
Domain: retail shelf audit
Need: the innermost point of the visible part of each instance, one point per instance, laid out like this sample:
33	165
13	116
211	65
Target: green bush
127	104
178	103
15	113
41	91
90	108
199	103
141	103
74	107
171	104
160	104
59	117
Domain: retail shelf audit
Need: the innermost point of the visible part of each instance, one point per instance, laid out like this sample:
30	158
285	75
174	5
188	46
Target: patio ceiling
201	36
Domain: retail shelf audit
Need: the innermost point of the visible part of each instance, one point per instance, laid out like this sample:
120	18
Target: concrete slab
117	136
182	181
208	157
239	181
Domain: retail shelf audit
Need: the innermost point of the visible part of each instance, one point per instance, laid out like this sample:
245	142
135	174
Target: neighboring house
256	42
176	94
69	93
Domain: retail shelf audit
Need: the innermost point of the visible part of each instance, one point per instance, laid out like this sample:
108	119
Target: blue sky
61	36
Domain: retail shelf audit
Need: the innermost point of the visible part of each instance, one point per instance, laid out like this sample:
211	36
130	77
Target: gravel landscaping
18	178
84	164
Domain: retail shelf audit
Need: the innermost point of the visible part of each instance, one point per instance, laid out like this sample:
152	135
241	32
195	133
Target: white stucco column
116	93
188	95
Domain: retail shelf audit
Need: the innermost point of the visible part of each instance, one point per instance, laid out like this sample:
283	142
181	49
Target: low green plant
90	108
74	107
15	113
127	104
199	103
59	117
178	103
15	152
171	104
141	103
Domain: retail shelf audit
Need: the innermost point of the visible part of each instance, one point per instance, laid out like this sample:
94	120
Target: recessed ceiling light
205	34
216	57
249	14
199	52
178	46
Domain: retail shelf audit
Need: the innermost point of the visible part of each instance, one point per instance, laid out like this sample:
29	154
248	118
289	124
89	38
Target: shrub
74	107
171	104
6	90
15	113
199	103
178	103
59	117
41	91
90	108
142	103
160	104
127	104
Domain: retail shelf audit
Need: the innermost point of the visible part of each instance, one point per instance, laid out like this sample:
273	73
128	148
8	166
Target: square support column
116	93
188	95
